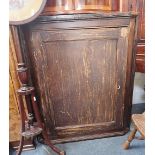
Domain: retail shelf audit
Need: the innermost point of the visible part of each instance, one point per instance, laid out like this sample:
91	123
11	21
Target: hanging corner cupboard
82	66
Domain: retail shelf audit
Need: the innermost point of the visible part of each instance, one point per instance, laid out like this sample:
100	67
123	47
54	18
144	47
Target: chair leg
126	144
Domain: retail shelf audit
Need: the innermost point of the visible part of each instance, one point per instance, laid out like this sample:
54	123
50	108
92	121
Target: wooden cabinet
82	67
140	55
74	6
138	6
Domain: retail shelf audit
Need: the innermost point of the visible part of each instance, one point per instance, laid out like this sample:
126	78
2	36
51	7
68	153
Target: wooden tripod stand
31	124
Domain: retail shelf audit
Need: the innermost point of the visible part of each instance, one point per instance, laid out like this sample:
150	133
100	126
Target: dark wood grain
79	6
82	69
138	6
140	58
14	118
124	5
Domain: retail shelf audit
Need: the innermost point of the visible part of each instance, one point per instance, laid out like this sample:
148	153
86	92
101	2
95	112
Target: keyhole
118	87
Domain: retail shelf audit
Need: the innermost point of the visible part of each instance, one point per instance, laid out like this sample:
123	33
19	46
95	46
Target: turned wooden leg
48	142
126	144
44	133
23	116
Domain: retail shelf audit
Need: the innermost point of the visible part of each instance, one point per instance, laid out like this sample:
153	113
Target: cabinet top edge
84	16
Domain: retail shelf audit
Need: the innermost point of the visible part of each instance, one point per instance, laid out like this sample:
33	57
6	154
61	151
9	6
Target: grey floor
104	146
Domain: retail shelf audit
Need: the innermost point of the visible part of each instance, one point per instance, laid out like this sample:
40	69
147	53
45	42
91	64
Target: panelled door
80	76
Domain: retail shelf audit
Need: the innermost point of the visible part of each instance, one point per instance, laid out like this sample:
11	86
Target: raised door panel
80	78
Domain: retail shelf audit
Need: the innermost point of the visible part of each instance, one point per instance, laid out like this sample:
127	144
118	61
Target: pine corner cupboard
82	66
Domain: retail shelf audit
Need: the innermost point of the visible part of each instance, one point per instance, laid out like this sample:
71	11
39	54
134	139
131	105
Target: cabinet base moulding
92	137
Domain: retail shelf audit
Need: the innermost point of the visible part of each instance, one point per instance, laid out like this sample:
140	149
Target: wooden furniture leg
130	138
23	116
44	133
55	149
29	127
139	125
20	145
